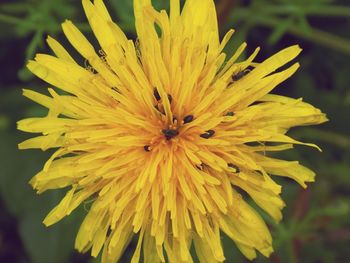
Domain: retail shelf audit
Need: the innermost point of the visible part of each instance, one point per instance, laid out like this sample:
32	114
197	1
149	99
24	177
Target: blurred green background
316	224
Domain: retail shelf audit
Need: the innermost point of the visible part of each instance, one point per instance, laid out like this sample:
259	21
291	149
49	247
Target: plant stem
15	21
342	141
33	26
291	253
315	35
224	8
33	45
317	10
15	7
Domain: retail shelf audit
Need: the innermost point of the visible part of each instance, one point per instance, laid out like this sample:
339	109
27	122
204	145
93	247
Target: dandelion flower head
164	133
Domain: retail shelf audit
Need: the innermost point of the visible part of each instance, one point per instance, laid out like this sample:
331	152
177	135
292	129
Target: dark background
316	224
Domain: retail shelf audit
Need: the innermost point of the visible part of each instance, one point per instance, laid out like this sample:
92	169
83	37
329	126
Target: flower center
169	132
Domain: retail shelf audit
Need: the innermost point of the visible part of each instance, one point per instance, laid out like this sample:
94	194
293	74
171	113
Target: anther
170	133
230	113
156	94
147	148
207	134
188	119
233	166
170	98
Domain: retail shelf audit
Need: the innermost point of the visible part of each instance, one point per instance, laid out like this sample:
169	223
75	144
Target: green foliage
316	222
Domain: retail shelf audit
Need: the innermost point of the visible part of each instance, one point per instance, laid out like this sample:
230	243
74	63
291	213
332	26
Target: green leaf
280	30
42	244
4	122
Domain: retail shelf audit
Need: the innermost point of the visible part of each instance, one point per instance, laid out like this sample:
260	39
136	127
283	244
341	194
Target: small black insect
207	134
156	94
230	113
158	97
231	165
170	133
240	75
147	148
188	119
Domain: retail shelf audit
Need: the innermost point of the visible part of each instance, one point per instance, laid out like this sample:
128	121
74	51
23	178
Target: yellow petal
247	251
43	142
203	251
60	210
264	197
294	170
99	240
100	22
174	11
39	98
150	253
59	50
273	63
244	226
201	15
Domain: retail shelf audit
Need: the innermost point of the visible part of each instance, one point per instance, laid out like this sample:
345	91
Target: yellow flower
160	135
